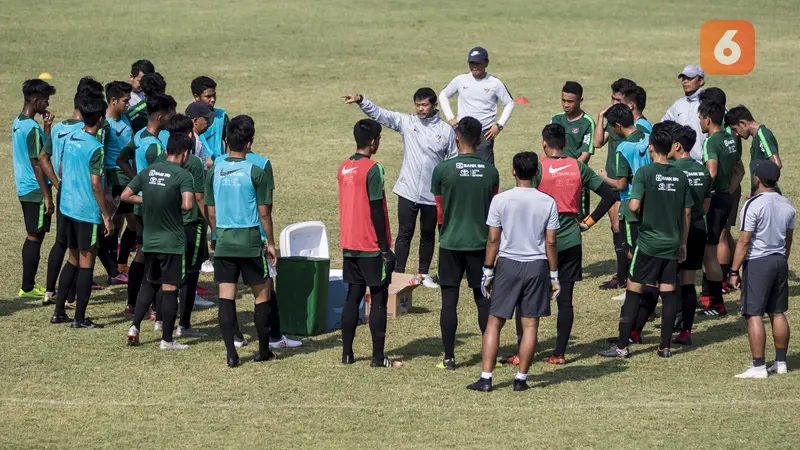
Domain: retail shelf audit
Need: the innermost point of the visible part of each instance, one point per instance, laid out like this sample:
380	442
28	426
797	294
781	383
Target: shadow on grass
10	306
573	374
429	346
600	268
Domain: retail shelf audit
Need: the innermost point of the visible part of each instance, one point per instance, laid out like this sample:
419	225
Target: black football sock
689	302
169	311
188	294
126	244
146	297
54	261
30	263
448	320
355	293
669	311
226	315
377	320
83	291
65	284
274	319
261	318
566	316
135	279
630	310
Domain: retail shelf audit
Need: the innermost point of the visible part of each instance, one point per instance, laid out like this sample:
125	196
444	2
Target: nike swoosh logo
222	173
74	138
119	133
346	171
62	136
15	130
211	135
553	170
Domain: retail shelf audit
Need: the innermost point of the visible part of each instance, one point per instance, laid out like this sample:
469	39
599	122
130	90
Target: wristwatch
499	127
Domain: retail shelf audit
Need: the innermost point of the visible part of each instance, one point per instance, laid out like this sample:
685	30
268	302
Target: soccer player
700	188
684	110
580	131
143	149
151	84
631	155
463	187
138	70
725	167
478	93
636	99
522	239
427	141
238	201
167	190
115	135
565	179
764	145
603	135
661	195
204	90
27	139
765	243
366	242
83	205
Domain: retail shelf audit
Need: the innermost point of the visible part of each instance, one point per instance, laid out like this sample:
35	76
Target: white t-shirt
767	216
524	214
477	98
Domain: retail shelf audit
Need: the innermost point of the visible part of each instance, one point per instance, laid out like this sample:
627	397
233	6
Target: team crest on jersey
574	130
486	90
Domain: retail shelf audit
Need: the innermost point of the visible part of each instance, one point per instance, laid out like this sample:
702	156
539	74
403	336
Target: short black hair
555	136
738	114
160	103
684	135
152	84
526	165
713	94
573	87
117	89
713	111
425	93
240	132
621	85
89	84
365	131
470	131
661	139
202	83
619	114
36	88
637	95
142	65
178	143
92	108
179	123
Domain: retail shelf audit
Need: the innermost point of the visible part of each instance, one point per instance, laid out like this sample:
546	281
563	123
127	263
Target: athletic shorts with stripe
629	232
523	284
765	286
695	246
364	271
253	270
454	263
719	211
82	236
61	226
196	246
650	270
165	267
36	221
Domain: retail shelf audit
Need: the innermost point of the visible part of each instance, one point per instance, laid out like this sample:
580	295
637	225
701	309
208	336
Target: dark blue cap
766	171
478	55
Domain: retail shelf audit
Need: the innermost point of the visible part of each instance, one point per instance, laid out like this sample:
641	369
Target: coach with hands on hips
478	94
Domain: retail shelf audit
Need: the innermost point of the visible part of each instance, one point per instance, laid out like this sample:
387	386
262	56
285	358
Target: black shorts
736	197
82	236
139	230
765	286
196	246
695	246
570	262
36	221
650	270
366	271
61	226
453	264
523	284
253	270
629	232
164	267
717	217
124	207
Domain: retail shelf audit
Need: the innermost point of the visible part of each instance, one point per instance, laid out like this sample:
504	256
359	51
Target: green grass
286	63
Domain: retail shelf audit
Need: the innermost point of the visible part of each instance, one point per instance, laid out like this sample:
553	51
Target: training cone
45	76
522	101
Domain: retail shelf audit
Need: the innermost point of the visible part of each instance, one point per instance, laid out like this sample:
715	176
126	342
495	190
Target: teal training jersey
264	164
58	138
83	157
215	134
163	137
114	136
27	140
644	125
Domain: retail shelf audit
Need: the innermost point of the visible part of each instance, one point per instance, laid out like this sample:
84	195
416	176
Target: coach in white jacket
427	141
684	110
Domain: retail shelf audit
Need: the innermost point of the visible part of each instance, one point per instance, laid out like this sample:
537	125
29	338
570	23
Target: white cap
692	72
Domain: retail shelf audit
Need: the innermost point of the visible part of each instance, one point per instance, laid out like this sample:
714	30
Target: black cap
478	55
197	110
766	171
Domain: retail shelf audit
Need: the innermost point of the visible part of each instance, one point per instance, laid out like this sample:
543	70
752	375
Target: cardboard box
400	296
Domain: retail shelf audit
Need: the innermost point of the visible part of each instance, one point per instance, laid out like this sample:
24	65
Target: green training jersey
569	232
721	147
375	191
196	169
699	183
162	186
763	147
664	192
137	116
613	141
466	185
580	134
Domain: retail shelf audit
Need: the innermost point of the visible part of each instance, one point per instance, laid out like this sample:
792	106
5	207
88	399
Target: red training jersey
355	222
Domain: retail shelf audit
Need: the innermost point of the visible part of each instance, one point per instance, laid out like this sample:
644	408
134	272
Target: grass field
286	63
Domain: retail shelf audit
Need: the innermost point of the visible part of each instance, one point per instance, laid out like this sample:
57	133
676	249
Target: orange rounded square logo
727	47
